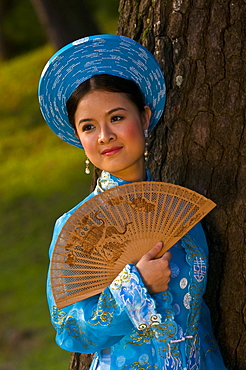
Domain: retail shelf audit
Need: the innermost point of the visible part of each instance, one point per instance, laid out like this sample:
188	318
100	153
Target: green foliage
41	177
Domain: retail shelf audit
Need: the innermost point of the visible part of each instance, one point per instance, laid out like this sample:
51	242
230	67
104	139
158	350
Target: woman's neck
130	176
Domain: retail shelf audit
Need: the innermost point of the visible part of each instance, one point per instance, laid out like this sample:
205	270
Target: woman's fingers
167	256
153	252
155	272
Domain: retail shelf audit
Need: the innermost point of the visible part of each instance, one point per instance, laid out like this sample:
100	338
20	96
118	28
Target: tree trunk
201	141
80	361
5	6
3	47
65	21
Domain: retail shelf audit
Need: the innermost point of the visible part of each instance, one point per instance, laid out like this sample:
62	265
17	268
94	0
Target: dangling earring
146	145
87	169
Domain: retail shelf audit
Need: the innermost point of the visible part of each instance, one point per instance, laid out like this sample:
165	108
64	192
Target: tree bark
65	21
80	361
200	143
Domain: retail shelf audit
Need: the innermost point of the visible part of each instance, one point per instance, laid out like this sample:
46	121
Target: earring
146	145
87	169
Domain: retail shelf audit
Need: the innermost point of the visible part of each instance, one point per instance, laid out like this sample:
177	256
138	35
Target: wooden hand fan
118	227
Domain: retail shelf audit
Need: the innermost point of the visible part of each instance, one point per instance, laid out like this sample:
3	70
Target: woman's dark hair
108	83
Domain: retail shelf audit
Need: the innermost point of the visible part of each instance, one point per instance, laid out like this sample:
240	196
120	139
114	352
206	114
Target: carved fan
115	228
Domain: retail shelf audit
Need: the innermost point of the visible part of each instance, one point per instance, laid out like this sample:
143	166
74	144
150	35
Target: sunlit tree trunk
65	21
201	141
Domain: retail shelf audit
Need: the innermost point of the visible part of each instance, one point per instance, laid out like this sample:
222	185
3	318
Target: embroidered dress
129	329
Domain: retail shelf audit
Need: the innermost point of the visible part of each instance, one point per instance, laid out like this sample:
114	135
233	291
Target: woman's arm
102	320
89	325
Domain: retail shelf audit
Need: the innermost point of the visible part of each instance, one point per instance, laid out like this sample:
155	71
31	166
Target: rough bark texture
201	141
80	361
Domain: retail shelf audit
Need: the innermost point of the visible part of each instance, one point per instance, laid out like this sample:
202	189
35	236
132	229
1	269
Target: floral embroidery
106	181
187	299
194	358
140	366
122	278
195	257
105	311
175	269
162	332
120	361
62	321
156	331
171	363
183	283
129	293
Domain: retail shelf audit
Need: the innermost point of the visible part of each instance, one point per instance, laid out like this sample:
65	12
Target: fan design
110	251
92	239
115	228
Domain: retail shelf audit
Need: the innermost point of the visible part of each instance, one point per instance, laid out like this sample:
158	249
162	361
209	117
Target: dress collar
107	181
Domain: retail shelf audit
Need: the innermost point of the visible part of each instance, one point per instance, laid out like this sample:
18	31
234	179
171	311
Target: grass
41	178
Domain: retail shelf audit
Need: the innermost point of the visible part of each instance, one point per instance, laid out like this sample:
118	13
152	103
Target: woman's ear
146	117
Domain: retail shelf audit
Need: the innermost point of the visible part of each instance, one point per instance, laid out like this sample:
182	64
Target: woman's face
111	130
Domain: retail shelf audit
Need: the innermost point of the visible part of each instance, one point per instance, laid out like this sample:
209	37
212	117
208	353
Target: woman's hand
155	272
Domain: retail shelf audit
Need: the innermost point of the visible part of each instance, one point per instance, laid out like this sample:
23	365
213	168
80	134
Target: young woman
103	93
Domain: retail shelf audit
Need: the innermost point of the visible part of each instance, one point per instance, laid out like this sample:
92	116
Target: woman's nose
106	135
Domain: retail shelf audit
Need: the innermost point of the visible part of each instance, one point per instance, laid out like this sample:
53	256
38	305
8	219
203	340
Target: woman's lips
111	151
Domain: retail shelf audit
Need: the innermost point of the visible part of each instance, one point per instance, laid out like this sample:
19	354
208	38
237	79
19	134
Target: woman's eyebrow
114	110
85	120
108	114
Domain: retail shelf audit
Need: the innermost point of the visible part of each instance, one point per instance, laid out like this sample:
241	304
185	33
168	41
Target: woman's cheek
86	141
133	130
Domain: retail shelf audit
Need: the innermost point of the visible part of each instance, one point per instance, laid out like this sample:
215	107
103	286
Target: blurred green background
41	178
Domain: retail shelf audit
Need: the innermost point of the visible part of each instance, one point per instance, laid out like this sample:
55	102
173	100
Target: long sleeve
100	321
89	325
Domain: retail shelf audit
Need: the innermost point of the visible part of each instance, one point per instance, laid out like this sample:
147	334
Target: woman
104	93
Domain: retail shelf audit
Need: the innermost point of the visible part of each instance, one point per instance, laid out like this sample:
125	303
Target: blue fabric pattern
128	291
165	331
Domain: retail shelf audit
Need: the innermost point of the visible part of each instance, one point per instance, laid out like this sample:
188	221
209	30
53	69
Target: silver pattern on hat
102	54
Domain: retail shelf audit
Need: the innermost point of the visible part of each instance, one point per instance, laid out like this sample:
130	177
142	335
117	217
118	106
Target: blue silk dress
129	329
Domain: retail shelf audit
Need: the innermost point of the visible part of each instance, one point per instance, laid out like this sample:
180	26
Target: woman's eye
87	127
116	118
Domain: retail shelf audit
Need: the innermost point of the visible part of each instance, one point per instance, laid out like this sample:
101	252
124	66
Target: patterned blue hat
102	54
